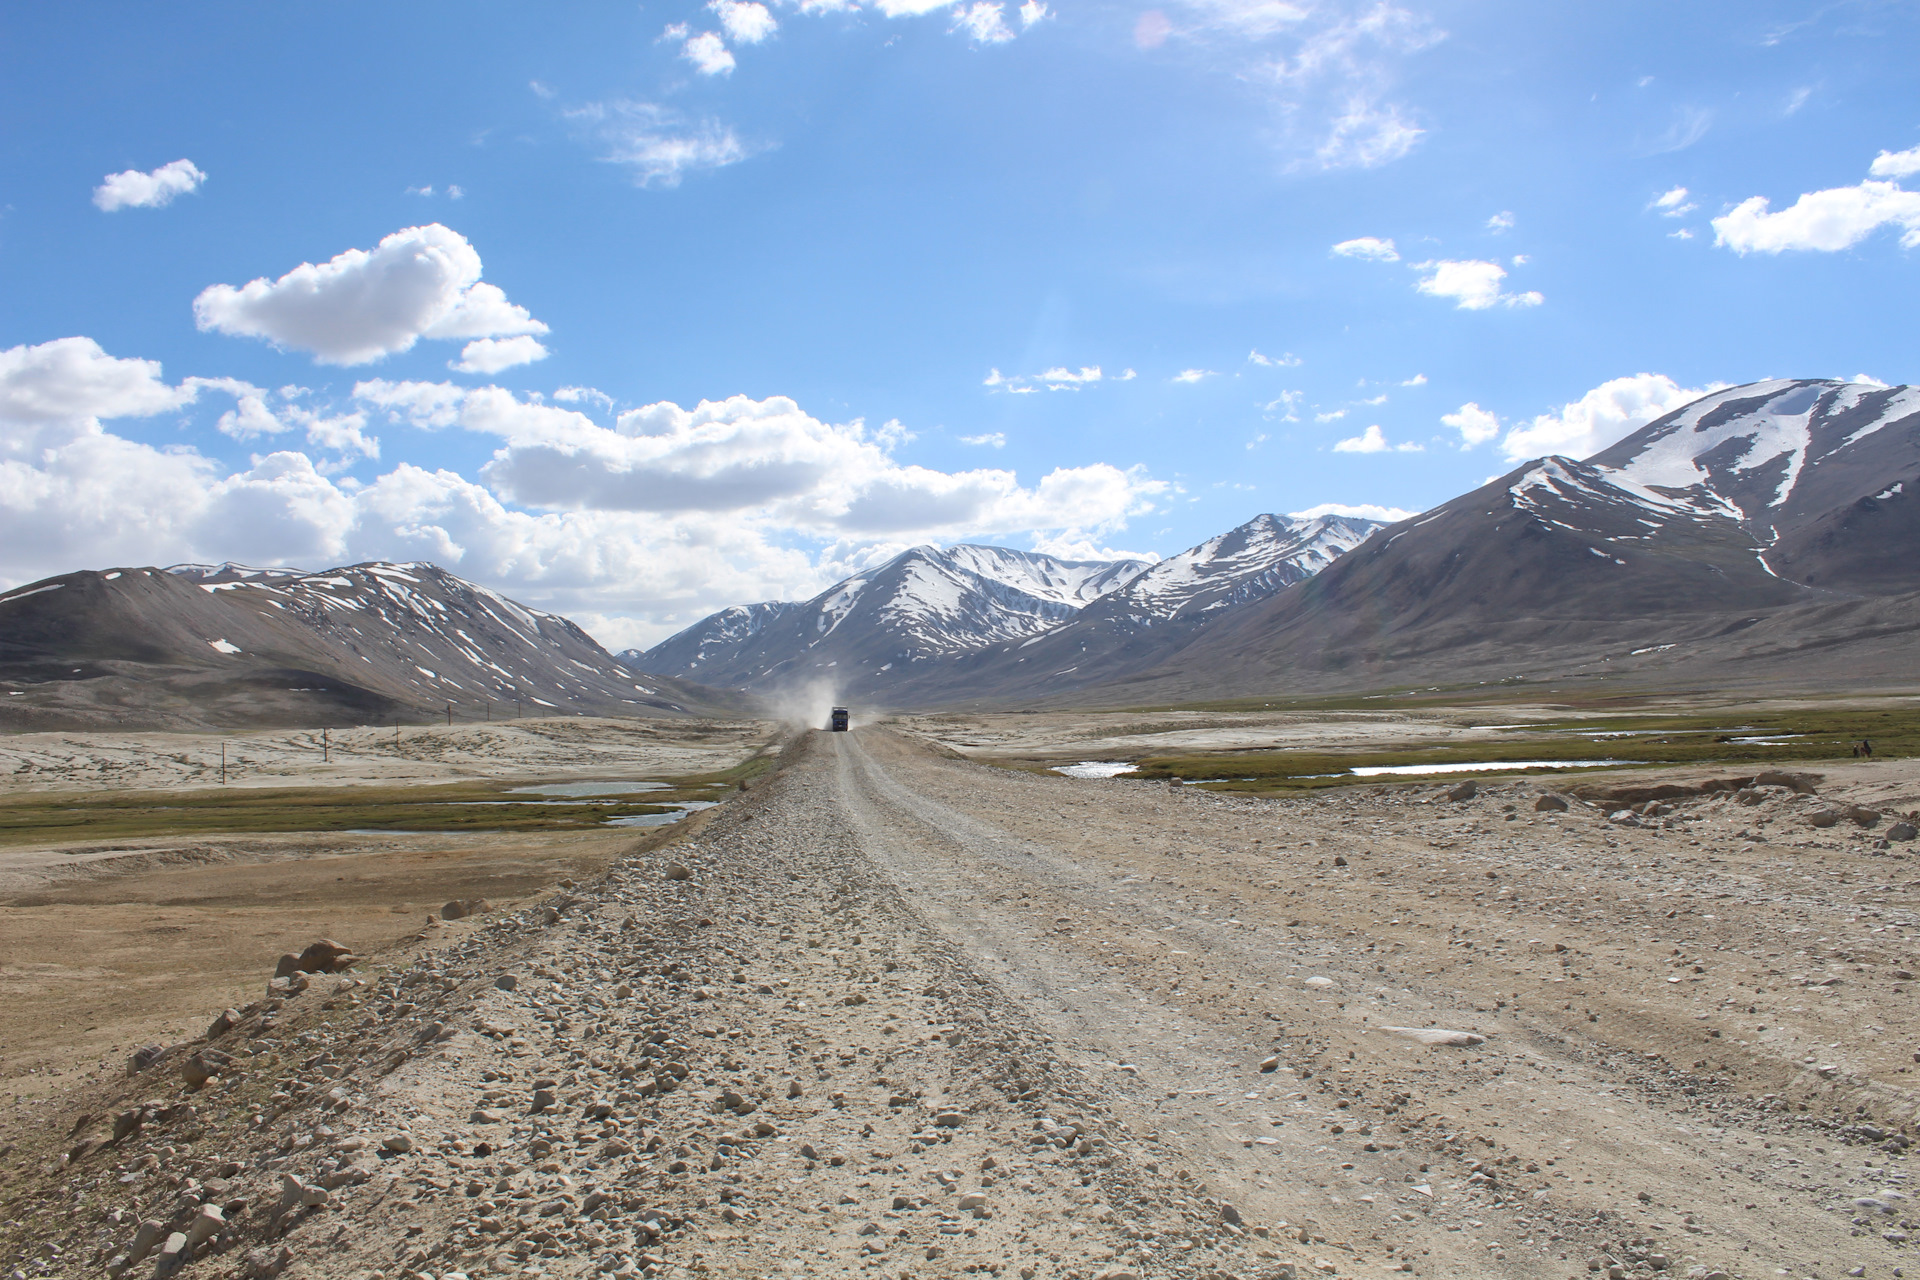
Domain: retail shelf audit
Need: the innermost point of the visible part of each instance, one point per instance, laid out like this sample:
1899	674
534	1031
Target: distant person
1866	748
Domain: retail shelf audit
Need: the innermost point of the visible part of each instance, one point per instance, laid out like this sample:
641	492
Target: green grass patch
1795	737
49	817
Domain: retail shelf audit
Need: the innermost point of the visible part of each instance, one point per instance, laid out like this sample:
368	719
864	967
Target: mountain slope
924	604
207	645
1745	509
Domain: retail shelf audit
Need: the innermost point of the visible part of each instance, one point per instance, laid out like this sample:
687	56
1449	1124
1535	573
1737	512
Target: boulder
1465	791
678	871
1550	803
1902	831
1801	783
454	910
1823	818
326	956
224	1023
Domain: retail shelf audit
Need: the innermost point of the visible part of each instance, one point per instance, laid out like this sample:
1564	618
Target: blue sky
1318	253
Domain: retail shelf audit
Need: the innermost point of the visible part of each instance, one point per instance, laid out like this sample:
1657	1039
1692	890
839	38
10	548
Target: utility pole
326	748
449	715
223	764
396	733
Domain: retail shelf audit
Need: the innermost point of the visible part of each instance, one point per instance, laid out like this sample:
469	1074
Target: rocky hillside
1772	525
201	645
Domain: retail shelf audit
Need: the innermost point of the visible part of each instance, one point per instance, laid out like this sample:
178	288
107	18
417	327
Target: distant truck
839	721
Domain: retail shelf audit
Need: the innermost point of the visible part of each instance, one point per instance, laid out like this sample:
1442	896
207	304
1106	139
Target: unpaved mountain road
1664	1072
910	1016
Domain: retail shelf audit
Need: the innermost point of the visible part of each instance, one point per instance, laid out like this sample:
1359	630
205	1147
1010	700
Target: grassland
491	806
1779	739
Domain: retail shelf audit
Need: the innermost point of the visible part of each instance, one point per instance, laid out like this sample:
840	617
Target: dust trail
807	705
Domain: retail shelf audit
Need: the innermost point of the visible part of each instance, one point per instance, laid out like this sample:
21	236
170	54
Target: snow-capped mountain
1251	562
924	603
226	644
1751	502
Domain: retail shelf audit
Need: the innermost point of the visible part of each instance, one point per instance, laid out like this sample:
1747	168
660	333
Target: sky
635	311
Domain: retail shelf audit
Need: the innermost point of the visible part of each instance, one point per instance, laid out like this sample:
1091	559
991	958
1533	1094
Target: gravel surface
891	1013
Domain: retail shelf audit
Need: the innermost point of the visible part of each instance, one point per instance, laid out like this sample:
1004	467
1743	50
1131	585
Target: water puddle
589	788
1096	769
1480	766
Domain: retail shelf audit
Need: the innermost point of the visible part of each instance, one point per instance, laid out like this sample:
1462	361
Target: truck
838	724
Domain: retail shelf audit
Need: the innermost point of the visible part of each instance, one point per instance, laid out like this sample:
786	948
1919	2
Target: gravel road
892	1013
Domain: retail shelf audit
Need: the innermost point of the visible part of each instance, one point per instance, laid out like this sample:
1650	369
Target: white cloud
984	22
588	395
491	355
1286	406
1603	415
1417	380
1895	164
1371	248
1058	378
1475	425
1689	125
1033	11
765	457
1358	510
1373	440
133	189
360	306
1473	285
1684	233
745	23
1194	375
1827	221
992	439
646	526
708	53
1331	415
1673	204
251	418
1500	222
1286	361
657	143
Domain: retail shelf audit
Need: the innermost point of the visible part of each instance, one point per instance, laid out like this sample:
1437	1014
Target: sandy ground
559	747
1158	1031
142	952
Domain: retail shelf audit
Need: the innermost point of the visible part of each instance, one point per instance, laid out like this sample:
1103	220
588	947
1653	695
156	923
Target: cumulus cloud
1417	380
1033	11
1475	425
1895	164
1472	285
1500	222
1374	440
708	53
991	439
744	455
659	145
1825	221
745	23
1194	375
251	418
1358	510
1597	419
361	306
491	355
635	529
133	189
1371	248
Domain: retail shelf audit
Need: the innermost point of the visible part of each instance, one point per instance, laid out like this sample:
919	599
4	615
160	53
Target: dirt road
912	1016
1670	1040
